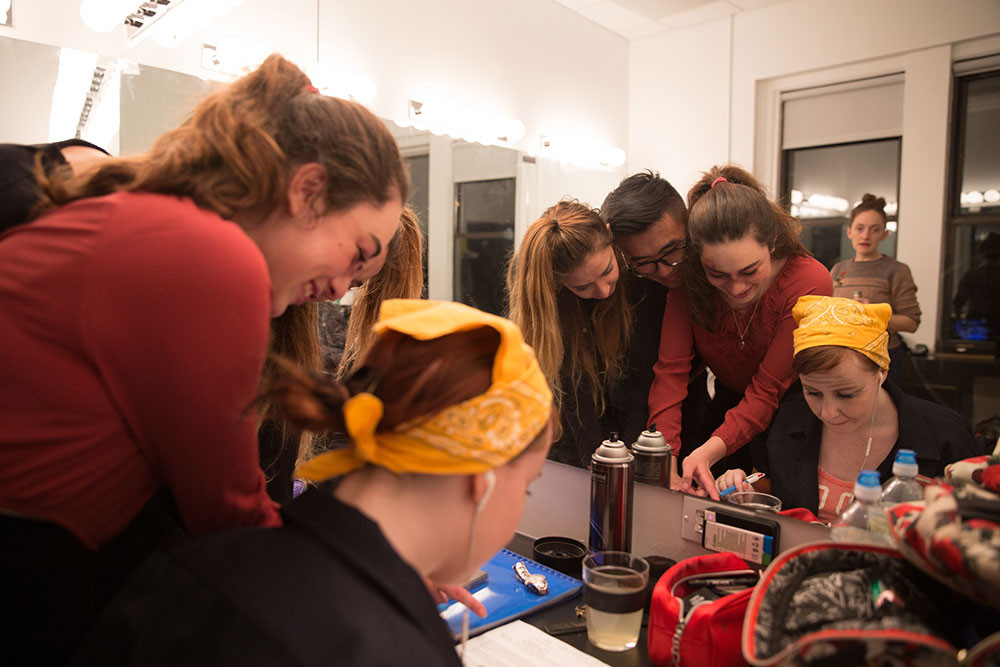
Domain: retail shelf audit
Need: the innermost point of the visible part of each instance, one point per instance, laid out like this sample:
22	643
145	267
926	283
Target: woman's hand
697	468
735	477
444	592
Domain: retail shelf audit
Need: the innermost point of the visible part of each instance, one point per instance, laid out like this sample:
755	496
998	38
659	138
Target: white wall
729	74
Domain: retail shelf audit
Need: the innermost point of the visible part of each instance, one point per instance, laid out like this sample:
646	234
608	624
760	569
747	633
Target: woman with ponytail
566	293
450	420
136	313
744	272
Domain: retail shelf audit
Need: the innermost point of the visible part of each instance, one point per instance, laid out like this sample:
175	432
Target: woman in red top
745	270
135	323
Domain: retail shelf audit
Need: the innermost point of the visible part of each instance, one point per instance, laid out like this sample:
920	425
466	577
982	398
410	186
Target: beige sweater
883	281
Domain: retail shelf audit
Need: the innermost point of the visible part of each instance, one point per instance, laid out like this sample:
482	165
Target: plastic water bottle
864	519
903	487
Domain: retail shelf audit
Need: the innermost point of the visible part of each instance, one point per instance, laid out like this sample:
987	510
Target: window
838	143
484	241
821	186
971	307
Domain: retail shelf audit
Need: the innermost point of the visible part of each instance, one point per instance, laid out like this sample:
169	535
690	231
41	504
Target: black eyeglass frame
659	260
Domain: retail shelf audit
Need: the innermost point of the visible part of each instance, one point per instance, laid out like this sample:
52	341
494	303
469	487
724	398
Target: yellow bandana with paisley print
479	434
830	320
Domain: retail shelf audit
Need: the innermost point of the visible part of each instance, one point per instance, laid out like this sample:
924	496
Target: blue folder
506	598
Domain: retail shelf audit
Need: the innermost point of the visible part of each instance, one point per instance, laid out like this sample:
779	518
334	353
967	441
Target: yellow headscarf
481	433
830	320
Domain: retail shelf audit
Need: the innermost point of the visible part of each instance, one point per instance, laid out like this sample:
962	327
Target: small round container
563	554
755	500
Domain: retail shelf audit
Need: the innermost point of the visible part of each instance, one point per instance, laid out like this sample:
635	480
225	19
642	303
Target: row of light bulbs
977	198
176	20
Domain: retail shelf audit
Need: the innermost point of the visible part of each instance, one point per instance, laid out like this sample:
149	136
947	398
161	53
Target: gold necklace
736	321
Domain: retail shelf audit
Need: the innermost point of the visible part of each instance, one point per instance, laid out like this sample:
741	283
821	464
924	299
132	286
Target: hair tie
720	178
310	88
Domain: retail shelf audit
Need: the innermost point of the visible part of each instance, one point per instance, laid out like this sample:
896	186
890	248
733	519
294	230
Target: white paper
524	645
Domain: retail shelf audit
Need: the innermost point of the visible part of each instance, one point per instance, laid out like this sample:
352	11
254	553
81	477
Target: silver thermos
652	458
611	482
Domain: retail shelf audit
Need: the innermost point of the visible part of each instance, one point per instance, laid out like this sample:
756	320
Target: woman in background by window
872	277
566	293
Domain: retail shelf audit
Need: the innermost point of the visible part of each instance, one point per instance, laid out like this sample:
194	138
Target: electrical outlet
693	522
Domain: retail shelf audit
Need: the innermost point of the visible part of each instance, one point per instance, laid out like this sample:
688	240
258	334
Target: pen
749	480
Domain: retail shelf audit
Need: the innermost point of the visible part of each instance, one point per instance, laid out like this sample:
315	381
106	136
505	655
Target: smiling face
312	258
662	238
739	269
866	231
844	396
596	277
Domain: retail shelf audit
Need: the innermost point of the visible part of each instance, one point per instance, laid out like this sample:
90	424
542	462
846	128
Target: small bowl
755	500
563	554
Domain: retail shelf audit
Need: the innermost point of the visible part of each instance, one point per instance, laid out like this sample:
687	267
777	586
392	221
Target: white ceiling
635	19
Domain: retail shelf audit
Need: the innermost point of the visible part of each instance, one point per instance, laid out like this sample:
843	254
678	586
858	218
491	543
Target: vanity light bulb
976	197
991	196
513	130
616	157
105	15
4	8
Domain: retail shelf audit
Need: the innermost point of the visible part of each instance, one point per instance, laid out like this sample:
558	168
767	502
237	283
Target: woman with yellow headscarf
847	416
449	420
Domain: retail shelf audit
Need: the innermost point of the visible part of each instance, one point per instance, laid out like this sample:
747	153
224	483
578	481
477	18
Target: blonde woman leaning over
449	419
566	294
848	416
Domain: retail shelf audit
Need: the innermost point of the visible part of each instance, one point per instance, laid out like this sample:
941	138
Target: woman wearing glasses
578	310
744	272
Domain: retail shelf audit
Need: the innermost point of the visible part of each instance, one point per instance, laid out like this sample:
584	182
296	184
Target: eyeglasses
672	258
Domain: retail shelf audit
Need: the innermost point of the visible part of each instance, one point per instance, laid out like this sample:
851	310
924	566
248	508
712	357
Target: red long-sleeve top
762	370
133	329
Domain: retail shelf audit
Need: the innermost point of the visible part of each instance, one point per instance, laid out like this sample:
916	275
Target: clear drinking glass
614	589
755	500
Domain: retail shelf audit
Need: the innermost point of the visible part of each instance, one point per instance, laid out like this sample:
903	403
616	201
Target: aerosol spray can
652	458
612	478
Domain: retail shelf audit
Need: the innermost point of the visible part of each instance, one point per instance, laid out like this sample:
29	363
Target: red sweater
762	370
133	334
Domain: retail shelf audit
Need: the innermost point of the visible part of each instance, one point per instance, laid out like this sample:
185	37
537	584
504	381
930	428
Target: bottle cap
613	450
905	464
868	487
651	441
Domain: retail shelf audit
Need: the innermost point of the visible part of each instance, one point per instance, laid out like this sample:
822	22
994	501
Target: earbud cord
871	426
468	561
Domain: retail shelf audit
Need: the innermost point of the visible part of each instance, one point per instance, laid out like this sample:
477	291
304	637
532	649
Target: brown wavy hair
553	320
237	151
827	357
401	277
733	209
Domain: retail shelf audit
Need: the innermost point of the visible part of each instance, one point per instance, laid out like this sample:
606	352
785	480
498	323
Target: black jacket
325	589
626	401
937	434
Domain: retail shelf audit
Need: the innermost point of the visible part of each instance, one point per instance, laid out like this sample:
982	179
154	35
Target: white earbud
491	481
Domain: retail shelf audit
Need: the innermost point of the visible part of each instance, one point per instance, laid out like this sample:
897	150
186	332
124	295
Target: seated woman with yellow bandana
847	416
450	420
